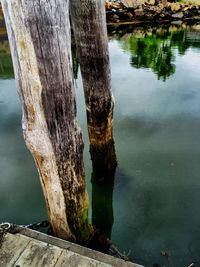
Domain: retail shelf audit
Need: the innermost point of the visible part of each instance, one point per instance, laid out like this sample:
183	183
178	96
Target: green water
156	192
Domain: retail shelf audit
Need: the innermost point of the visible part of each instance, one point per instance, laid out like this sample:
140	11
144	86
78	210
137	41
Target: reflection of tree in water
178	40
156	50
6	69
155	56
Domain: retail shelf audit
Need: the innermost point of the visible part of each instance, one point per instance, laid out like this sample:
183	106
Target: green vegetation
6	68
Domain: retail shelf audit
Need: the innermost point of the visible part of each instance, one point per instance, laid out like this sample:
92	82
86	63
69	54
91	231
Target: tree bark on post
40	41
89	24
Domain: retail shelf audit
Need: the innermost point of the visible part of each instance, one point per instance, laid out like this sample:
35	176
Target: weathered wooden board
82	251
39	254
33	249
12	248
72	259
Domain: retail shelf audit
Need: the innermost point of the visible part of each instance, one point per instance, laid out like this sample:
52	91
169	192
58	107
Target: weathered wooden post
39	35
89	24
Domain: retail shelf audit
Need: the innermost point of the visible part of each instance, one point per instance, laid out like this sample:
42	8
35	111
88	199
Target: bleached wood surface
40	41
29	248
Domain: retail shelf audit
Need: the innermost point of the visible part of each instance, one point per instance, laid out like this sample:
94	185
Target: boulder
129	15
116	5
177	22
175	7
160	7
139	12
151	2
178	15
128	3
165	3
132	3
115	17
108	5
185	8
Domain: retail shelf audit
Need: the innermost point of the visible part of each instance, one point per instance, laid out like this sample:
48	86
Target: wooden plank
72	259
39	254
66	245
11	249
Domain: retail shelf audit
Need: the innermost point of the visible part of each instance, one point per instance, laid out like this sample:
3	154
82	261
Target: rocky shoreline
145	11
151	11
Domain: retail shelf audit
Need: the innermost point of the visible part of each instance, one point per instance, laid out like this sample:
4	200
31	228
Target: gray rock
115	16
178	15
177	22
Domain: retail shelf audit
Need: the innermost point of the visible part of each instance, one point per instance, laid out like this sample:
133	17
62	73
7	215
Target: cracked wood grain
39	35
89	25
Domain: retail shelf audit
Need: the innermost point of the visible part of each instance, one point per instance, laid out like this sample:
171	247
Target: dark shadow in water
102	207
102	178
102	213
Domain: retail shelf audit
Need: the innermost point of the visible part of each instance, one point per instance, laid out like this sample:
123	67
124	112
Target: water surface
156	194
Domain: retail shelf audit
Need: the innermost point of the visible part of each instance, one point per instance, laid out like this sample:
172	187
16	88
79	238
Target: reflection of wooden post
102	207
89	23
75	63
39	35
102	210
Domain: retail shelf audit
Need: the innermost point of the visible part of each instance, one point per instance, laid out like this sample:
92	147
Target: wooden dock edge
83	251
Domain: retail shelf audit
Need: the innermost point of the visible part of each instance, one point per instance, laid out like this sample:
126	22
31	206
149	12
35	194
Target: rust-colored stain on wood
31	114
